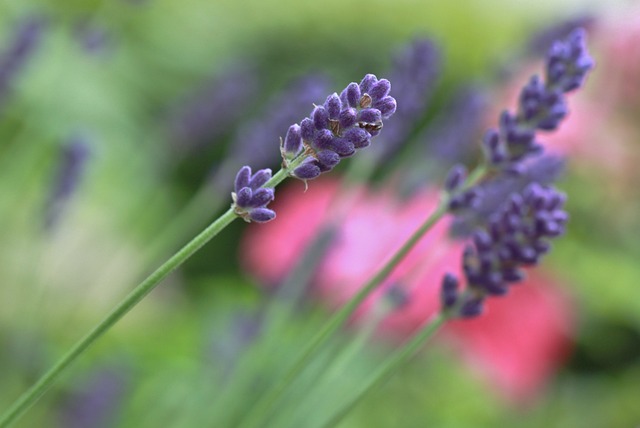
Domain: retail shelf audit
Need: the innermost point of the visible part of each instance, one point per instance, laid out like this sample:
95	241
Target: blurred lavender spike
24	42
93	38
238	335
492	193
453	135
517	235
542	104
73	158
449	139
414	73
214	108
256	142
542	40
96	403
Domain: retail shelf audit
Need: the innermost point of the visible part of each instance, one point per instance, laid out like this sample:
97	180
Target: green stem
389	367
261	409
338	319
135	296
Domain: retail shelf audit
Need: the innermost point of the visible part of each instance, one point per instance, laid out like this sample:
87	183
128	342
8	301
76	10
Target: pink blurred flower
520	341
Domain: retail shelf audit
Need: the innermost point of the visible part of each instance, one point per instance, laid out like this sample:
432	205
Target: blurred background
123	123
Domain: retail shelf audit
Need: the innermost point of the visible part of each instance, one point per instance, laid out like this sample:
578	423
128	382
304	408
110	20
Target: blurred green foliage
55	284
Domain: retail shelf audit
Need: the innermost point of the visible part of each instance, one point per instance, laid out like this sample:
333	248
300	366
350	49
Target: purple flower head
97	400
24	42
73	159
214	108
541	105
250	198
515	236
92	38
292	144
568	62
343	125
455	178
449	291
254	142
414	71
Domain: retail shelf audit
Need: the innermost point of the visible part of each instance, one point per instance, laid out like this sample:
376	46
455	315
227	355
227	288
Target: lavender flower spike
343	125
250	198
517	235
541	105
25	40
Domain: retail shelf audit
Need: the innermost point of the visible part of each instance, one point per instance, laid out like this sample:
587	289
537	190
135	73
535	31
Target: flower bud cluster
508	236
541	104
335	130
250	197
516	236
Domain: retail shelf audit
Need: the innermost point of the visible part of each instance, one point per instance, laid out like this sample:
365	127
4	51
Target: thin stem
337	320
133	298
387	369
261	409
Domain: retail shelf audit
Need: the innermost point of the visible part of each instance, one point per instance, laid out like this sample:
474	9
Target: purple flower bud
262	215
333	105
472	307
380	89
323	140
449	291
307	129
320	118
348	118
308	170
386	105
260	178
455	177
367	83
370	115
262	197
353	95
327	159
293	141
242	178
243	197
358	137
343	147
